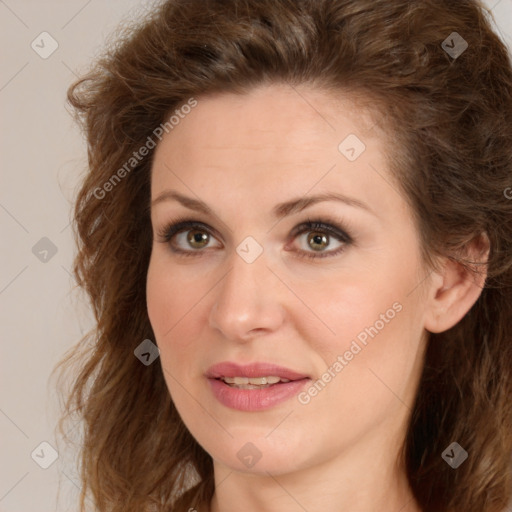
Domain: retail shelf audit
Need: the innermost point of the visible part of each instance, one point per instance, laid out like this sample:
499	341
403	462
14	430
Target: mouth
253	382
254	387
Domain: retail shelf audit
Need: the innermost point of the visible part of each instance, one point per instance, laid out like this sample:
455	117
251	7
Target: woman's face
251	291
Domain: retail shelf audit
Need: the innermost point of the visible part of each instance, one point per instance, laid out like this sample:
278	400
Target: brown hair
451	118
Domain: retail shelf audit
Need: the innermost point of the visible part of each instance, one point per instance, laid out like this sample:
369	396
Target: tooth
240	380
253	382
258	381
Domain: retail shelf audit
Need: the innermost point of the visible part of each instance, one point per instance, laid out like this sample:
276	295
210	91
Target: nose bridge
247	299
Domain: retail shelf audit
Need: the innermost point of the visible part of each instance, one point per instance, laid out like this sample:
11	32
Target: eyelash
326	227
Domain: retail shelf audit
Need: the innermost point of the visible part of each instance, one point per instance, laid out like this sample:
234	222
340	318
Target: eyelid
333	228
328	226
183	224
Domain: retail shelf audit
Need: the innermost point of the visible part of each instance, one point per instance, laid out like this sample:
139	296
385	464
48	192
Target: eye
186	237
190	238
320	235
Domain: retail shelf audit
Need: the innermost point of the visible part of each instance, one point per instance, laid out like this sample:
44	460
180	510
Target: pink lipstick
254	387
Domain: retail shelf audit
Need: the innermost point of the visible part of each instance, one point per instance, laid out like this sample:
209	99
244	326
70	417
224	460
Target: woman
295	236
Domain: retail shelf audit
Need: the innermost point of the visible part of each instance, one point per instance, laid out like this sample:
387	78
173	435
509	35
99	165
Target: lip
229	369
251	400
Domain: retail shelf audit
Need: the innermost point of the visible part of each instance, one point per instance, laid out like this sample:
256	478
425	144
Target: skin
242	155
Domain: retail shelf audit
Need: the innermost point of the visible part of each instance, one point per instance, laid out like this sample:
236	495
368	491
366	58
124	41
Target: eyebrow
279	211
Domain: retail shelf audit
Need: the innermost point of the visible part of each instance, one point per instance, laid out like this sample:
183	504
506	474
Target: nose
248	301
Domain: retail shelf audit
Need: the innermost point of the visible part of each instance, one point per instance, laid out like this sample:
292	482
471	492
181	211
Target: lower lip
255	399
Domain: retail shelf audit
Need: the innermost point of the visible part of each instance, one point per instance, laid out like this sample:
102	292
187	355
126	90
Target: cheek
373	360
170	295
373	321
347	308
369	368
158	298
173	304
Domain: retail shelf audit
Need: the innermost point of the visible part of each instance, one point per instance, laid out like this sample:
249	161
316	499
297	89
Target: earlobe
455	288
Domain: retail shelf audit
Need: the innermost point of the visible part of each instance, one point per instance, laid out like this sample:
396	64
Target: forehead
270	118
275	139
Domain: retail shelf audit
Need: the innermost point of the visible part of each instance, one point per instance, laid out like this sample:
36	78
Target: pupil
197	237
319	239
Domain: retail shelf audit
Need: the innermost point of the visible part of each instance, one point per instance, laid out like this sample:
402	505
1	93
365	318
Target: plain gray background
43	158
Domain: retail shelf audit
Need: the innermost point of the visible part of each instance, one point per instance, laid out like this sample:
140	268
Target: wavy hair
451	118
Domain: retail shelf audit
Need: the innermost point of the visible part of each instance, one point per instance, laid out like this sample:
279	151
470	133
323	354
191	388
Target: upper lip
230	369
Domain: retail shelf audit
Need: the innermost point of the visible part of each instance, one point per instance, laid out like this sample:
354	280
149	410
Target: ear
454	289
